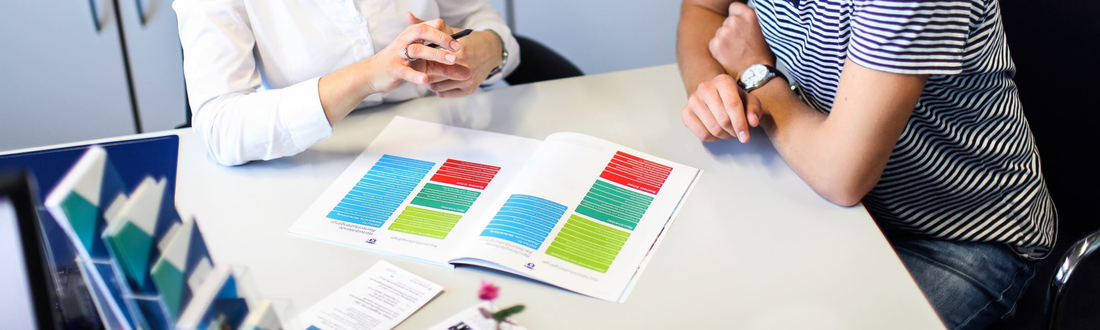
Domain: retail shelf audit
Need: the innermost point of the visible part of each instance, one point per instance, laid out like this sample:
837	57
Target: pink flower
488	291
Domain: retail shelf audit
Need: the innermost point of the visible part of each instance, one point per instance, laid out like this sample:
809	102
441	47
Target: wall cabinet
155	55
63	71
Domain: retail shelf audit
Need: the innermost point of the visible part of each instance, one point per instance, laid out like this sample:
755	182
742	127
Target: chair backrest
1056	48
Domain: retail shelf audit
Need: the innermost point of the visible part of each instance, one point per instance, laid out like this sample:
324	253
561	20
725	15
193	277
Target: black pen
455	36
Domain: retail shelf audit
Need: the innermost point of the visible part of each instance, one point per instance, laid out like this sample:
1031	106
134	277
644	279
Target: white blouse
252	66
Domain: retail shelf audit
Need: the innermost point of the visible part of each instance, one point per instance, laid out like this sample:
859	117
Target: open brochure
573	211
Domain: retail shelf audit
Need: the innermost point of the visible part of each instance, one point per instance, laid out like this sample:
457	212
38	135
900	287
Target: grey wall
602	35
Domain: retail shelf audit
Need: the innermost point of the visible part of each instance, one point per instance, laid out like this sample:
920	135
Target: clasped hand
454	69
480	54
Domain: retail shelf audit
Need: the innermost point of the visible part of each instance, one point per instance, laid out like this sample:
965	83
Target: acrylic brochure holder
150	311
145	268
229	299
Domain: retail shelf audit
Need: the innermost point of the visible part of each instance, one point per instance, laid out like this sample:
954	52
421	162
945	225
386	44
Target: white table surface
753	248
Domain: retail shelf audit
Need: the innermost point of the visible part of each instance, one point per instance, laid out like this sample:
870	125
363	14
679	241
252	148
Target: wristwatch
756	75
503	57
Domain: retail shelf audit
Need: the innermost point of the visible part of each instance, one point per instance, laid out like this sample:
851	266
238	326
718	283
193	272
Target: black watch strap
777	73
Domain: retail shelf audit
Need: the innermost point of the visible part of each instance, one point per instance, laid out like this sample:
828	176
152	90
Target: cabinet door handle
95	16
141	12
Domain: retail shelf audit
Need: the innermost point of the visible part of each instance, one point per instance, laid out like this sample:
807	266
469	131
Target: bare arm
842	155
699	19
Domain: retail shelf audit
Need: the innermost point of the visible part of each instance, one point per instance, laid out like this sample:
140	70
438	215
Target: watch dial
758	72
753	74
746	77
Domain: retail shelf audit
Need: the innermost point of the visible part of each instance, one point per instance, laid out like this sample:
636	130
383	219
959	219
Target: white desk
753	248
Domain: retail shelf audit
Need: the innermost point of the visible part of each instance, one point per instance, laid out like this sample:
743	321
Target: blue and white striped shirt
965	167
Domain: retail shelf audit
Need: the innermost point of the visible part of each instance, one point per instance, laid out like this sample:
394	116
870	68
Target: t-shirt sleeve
911	37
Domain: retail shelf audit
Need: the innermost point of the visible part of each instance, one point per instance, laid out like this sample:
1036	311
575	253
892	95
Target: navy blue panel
134	159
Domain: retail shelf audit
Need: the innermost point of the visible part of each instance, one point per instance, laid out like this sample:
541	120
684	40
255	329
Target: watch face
753	75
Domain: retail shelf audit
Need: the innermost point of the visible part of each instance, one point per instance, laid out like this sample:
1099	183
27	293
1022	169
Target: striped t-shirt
965	167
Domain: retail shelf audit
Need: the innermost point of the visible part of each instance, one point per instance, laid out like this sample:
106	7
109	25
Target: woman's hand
342	90
739	42
480	54
389	66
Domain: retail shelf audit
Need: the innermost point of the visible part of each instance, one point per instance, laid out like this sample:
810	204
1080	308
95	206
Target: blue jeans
970	285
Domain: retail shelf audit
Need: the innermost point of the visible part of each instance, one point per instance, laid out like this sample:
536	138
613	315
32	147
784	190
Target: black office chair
537	63
1055	47
1063	307
540	63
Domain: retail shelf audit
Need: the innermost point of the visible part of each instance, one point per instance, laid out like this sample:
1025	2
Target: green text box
425	222
445	198
587	243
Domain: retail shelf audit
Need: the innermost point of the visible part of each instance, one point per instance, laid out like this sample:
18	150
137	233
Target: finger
456	93
447	85
435	73
745	99
410	75
425	32
702	101
412	19
419	65
694	125
733	105
738	9
715	105
437	24
436	78
440	72
431	69
419	51
702	112
755	111
715	44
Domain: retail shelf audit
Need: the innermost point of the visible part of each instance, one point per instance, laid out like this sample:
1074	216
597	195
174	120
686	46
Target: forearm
785	115
341	91
813	146
842	155
697	27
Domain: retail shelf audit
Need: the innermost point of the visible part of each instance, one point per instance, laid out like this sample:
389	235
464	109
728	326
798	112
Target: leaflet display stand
142	267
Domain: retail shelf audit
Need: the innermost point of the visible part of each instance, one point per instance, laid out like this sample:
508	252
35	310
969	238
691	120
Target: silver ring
405	52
